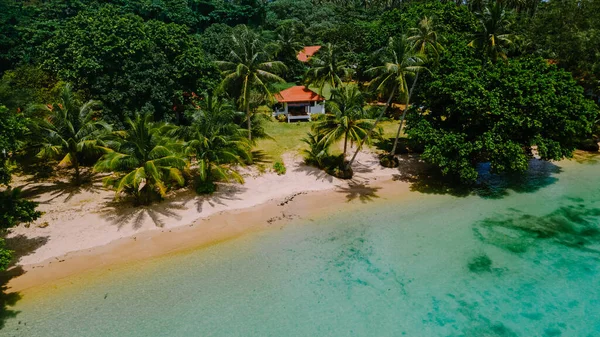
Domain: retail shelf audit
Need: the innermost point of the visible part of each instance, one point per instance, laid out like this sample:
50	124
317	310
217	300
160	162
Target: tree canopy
469	115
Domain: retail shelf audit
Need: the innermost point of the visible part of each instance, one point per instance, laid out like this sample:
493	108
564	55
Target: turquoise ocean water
521	259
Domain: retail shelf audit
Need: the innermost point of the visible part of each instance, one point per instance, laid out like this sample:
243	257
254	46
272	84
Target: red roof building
305	54
299	103
298	93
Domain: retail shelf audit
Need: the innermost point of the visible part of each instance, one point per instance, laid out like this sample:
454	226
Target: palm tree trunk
381	114
249	120
345	144
393	151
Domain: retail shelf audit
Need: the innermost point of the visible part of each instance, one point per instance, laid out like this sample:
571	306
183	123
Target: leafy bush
281	118
317	117
204	186
5	256
337	167
389	161
15	210
279	168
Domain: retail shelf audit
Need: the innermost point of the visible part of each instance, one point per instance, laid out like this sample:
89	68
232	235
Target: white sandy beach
88	217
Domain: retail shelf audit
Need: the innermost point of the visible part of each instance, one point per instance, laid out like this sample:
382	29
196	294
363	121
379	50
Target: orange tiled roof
307	52
298	93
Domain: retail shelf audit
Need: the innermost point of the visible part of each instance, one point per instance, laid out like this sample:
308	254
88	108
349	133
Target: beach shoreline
103	235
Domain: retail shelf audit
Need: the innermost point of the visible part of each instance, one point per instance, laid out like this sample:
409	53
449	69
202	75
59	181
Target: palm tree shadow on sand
357	190
123	214
427	179
58	189
224	193
22	246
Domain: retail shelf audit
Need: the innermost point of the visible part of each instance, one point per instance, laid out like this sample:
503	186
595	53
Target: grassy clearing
287	138
390	128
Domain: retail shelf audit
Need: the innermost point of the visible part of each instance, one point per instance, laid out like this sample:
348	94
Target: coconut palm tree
326	67
249	69
400	61
287	42
317	150
145	162
425	39
492	38
215	143
346	117
69	130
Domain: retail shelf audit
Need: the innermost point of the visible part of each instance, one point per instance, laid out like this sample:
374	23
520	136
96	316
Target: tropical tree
425	39
492	38
69	130
400	61
317	151
497	114
287	41
346	117
215	143
326	67
145	162
249	69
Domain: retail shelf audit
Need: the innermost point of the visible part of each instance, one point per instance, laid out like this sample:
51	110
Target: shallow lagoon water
516	260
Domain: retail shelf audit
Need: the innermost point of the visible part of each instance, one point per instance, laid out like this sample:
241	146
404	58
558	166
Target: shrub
337	167
317	117
204	186
389	161
15	210
279	168
282	118
5	256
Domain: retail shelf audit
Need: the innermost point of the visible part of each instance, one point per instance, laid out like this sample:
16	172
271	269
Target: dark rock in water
481	263
589	145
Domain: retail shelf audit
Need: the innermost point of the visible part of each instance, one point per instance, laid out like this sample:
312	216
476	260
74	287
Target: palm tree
345	118
317	151
287	42
425	39
69	130
327	68
145	161
492	38
250	69
215	143
400	61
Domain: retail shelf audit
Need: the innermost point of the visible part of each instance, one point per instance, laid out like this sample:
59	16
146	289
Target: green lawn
287	138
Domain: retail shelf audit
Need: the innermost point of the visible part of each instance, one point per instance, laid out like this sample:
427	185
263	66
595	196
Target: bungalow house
299	103
305	54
